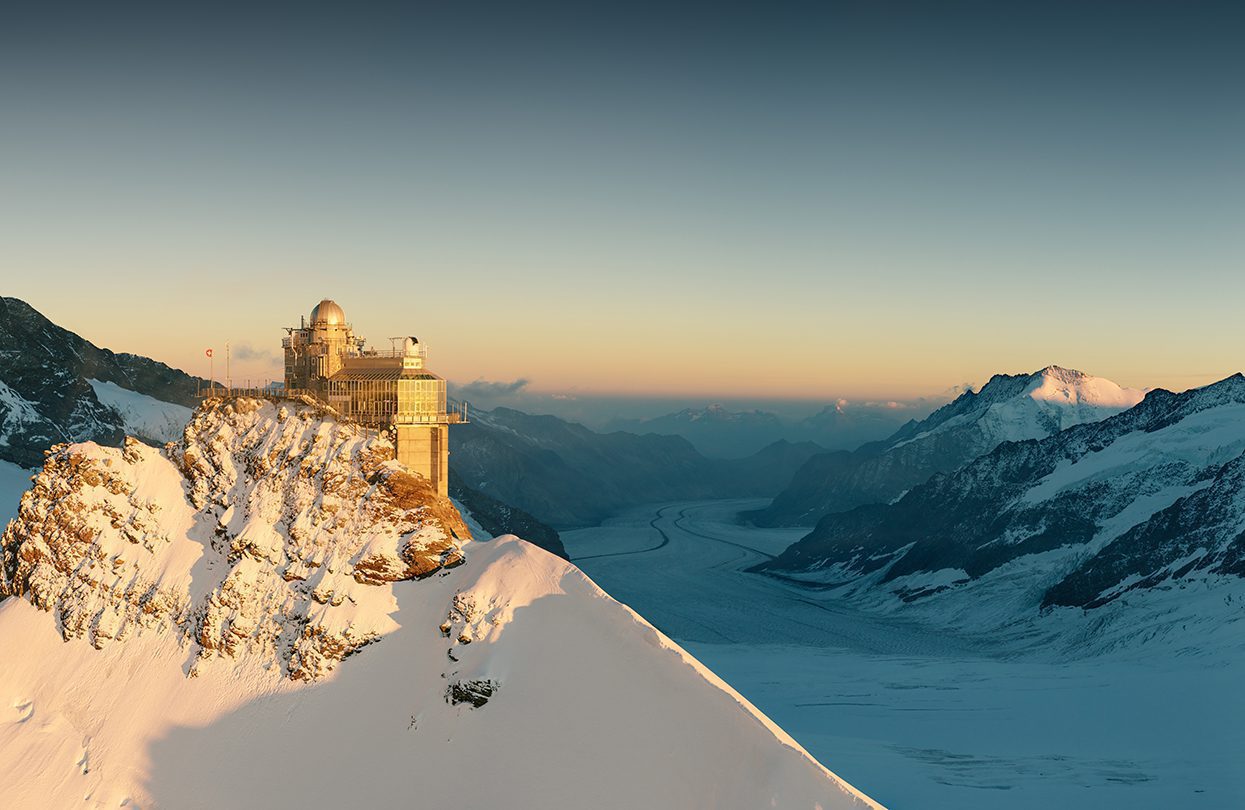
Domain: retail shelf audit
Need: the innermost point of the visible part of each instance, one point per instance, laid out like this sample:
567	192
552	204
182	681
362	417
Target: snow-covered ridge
1008	408
1031	406
183	617
141	415
265	532
1056	384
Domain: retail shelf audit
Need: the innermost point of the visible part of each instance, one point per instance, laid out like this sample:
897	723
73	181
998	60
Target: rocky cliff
265	531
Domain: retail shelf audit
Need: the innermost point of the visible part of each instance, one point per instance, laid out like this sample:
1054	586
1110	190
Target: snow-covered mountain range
273	613
56	386
1007	408
1108	517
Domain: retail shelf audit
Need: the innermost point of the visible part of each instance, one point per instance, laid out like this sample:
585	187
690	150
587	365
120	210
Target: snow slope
141	415
1007	408
274	615
1012	409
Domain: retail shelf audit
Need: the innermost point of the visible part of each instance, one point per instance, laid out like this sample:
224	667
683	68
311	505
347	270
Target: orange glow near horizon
722	347
704	364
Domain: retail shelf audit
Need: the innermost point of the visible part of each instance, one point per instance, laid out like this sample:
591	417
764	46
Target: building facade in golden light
379	388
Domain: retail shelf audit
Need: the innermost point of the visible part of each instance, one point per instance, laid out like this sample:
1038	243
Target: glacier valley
914	713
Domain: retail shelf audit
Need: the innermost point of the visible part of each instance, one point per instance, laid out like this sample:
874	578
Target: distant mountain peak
1063	386
1009	407
1062	373
1061	396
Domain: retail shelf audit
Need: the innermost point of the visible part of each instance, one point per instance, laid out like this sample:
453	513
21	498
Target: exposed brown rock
295	512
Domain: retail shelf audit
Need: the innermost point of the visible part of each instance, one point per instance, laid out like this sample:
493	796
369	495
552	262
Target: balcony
456	415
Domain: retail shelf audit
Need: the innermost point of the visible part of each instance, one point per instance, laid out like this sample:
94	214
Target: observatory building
379	388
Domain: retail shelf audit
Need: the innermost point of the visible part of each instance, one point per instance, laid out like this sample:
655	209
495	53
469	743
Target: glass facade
384	396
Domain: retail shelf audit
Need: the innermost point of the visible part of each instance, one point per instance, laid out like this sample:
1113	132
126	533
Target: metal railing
455	416
455	413
226	391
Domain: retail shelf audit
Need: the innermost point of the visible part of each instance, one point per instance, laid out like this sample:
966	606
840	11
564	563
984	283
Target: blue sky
869	200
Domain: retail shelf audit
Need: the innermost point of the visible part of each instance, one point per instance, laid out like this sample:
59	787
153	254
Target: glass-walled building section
366	401
381	396
421	398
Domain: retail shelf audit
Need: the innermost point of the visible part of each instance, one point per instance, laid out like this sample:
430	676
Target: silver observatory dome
327	311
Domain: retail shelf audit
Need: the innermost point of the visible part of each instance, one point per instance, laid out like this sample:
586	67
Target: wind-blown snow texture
1143	502
183	617
1007	408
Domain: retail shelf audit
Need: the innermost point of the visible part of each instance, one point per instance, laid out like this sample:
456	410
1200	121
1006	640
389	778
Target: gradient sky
868	200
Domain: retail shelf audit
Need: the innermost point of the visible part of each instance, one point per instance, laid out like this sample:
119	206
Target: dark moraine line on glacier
665	538
679	523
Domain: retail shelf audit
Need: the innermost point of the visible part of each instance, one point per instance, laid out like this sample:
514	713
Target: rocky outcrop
270	530
1200	534
46	386
476	692
75	546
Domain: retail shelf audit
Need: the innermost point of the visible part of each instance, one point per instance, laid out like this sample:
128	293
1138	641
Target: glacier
923	710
